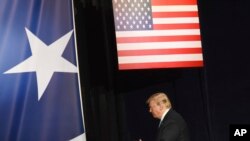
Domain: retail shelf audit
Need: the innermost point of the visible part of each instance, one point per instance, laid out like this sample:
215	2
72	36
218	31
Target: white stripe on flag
160	58
175	20
157	33
175	8
159	45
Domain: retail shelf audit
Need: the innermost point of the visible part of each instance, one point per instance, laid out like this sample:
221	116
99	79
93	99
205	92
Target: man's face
155	110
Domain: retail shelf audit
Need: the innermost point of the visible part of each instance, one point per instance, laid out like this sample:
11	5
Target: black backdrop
209	98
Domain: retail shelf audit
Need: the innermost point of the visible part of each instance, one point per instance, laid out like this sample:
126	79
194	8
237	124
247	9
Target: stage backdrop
40	96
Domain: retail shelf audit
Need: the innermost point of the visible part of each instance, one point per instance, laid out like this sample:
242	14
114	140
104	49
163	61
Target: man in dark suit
172	126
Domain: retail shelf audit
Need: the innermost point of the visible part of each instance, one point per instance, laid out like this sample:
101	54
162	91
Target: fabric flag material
40	96
157	34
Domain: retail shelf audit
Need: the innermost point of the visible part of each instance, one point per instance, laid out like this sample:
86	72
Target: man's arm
169	132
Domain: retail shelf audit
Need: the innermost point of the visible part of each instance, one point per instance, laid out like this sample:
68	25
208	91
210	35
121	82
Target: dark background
209	98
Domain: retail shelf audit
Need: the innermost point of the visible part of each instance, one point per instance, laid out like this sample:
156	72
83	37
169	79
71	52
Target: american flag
157	34
40	96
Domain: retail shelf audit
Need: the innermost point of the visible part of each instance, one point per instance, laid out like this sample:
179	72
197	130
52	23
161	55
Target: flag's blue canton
57	115
132	15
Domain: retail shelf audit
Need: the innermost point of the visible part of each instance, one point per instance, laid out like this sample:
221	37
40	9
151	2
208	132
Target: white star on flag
81	137
45	60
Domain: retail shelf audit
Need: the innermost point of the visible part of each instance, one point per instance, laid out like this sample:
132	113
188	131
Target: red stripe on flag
174	2
176	26
159	52
161	65
174	14
158	39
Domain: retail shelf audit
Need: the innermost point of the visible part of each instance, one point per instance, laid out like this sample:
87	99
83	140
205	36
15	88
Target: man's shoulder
174	116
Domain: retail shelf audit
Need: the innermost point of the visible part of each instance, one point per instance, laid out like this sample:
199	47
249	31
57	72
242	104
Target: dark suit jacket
173	128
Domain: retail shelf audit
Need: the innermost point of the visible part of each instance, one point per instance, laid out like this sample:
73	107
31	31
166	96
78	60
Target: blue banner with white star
40	96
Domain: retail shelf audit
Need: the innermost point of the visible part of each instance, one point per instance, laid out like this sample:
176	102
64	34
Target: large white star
45	60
